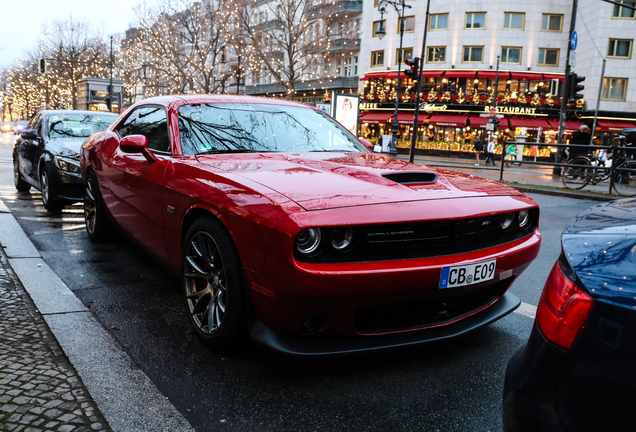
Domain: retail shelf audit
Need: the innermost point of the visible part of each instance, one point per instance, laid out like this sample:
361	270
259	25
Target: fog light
311	324
506	221
524	219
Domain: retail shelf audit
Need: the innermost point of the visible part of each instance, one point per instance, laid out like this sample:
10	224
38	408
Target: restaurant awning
477	122
460	74
613	126
375	118
527	76
448	120
407	118
560	77
370	75
432	73
530	124
570	126
493	74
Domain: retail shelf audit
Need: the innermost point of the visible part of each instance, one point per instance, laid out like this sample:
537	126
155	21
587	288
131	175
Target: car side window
36	123
150	122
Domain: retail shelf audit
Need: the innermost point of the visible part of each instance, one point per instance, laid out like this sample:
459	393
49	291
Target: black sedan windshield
72	125
230	128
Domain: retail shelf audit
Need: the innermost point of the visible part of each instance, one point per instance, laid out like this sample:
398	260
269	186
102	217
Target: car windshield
75	125
238	128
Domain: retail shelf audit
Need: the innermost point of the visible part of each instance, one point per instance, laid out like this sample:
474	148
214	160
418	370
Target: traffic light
575	87
42	65
413	72
495	123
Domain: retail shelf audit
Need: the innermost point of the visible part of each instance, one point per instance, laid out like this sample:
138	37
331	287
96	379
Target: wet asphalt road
450	386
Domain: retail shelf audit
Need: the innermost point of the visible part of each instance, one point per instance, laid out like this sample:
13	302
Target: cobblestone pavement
39	389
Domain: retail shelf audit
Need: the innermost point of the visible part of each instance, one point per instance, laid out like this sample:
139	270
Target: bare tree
287	39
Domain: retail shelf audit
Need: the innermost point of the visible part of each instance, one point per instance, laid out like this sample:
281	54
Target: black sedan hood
600	245
59	145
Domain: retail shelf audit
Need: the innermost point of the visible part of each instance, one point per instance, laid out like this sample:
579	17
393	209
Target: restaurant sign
512	110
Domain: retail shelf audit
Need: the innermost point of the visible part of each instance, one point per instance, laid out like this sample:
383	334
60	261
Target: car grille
415	314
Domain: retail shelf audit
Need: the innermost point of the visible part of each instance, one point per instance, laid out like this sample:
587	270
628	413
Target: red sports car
282	224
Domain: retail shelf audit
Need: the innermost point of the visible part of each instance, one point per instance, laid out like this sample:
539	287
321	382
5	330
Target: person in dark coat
581	137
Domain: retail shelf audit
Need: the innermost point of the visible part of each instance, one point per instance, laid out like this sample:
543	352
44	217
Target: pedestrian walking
490	149
511	154
479	147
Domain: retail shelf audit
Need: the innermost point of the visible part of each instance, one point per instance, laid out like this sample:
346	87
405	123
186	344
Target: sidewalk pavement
60	371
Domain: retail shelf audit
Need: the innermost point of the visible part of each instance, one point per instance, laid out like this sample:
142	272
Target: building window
511	55
376	26
614	89
407	53
548	57
553	23
623	12
475	20
377	58
436	54
473	54
620	48
438	22
355	65
409	24
514	21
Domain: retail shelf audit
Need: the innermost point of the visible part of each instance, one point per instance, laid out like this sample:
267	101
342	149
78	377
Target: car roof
218	98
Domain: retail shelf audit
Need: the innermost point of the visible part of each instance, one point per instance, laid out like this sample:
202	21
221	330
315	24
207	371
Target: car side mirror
366	143
137	144
29	134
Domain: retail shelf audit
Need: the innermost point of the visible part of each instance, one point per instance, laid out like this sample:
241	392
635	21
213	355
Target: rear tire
625	181
19	182
50	203
98	226
213	284
574	177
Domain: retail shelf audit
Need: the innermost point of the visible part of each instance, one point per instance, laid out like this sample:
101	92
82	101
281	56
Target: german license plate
468	274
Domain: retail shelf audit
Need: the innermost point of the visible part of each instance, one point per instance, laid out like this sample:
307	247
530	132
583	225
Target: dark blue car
577	372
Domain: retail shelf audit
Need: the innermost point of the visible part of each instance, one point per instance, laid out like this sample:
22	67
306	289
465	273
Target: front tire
213	284
50	203
575	177
19	182
98	226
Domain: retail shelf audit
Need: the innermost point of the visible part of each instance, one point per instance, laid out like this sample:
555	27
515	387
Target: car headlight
67	165
523	219
341	238
308	241
506	221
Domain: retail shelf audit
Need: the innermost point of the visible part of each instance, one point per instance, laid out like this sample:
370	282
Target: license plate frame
474	273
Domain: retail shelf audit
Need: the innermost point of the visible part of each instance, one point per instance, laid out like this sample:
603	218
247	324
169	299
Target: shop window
514	20
620	48
376	26
438	22
473	54
409	24
436	55
623	12
511	55
548	57
407	53
552	23
614	89
377	58
475	20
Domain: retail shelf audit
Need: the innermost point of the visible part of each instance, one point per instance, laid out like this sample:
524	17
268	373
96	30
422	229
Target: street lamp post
382	4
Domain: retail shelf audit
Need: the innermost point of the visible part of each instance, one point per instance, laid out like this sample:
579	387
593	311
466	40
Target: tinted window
75	125
150	122
218	128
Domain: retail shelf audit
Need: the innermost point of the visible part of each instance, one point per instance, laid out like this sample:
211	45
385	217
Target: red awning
477	122
493	74
460	74
432	73
448	120
570	126
375	117
371	75
560	77
531	124
407	118
612	126
527	76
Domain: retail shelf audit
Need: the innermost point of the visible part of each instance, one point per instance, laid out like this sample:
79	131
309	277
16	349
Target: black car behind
46	155
577	372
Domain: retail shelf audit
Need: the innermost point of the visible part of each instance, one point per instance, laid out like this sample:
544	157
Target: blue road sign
575	40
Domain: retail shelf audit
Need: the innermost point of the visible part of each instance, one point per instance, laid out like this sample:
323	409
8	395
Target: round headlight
507	220
524	219
341	238
308	241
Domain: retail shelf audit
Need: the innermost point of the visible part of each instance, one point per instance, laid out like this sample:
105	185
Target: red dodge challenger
282	224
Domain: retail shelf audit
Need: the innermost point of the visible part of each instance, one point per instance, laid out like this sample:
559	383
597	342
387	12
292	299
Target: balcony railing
344	44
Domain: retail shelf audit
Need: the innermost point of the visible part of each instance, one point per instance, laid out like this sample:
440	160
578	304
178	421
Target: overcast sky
22	21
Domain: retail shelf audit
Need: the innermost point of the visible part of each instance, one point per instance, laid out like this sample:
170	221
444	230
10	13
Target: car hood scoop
323	180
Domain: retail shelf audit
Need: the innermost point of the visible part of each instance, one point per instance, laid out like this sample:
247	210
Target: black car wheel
19	182
50	203
97	224
214	284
